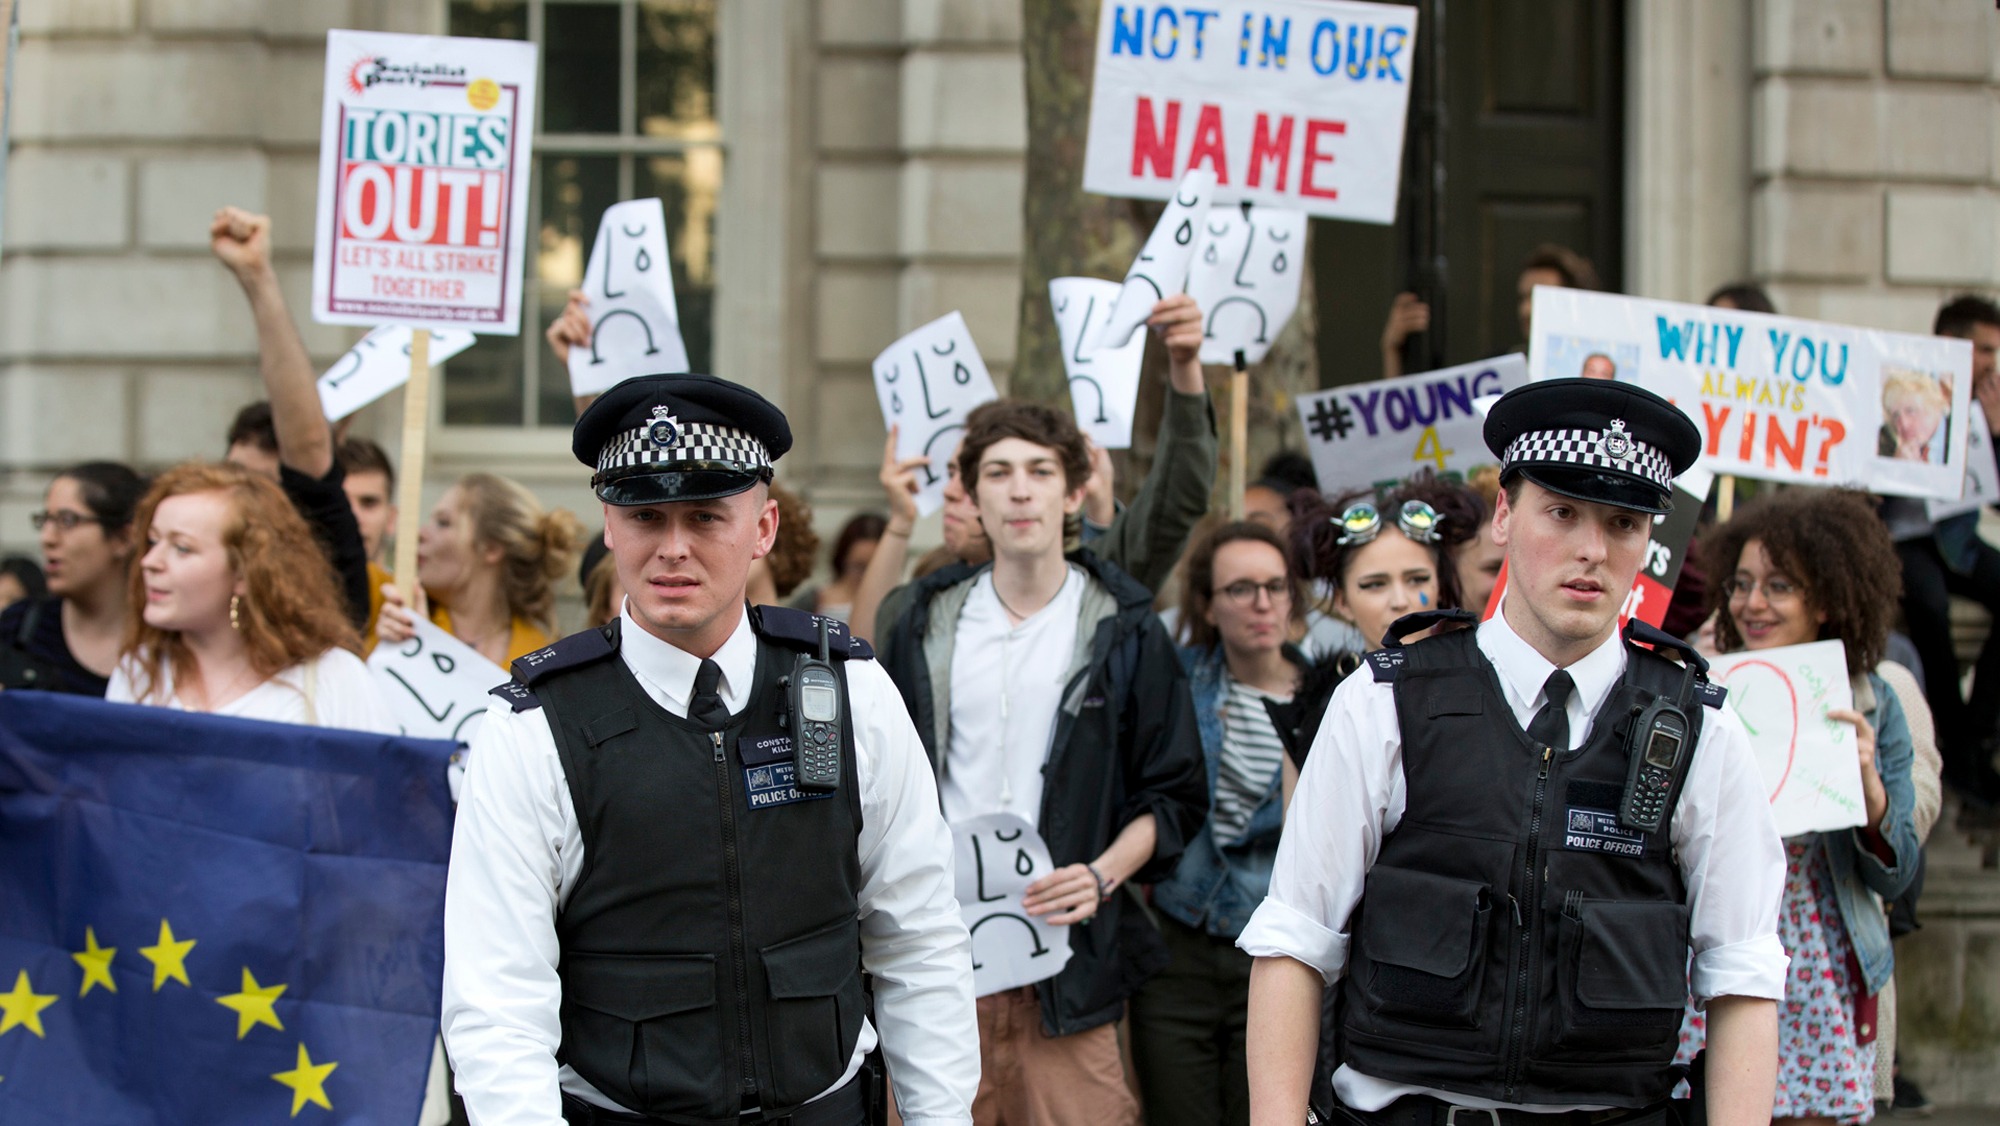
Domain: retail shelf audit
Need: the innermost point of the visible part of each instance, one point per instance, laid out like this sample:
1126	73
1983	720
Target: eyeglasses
1243	592
1362	522
63	519
1775	589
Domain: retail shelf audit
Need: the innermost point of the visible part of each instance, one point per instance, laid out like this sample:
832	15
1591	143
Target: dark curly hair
791	557
1197	590
1318	554
1832	544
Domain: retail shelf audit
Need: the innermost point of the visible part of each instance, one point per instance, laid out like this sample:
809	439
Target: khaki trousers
1029	1079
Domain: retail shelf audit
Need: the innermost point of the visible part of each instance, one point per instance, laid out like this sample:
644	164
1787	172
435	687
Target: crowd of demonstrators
1548	264
853	547
777	575
69	639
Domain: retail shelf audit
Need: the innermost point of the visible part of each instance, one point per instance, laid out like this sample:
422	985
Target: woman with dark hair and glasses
68	640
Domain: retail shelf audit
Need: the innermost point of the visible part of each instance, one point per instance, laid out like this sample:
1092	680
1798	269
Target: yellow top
378	578
524	638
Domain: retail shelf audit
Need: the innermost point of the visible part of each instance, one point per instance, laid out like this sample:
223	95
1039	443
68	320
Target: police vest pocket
646	1019
815	1010
1623	974
1424	940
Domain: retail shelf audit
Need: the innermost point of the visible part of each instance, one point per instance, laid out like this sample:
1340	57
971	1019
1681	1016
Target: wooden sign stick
1239	434
1725	498
410	486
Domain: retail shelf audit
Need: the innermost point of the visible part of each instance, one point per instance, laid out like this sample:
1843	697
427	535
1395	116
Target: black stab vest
711	953
1514	942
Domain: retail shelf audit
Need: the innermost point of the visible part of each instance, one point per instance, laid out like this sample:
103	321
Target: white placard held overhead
1811	768
927	382
435	685
1246	279
997	857
635	325
1103	385
1161	269
423	181
378	364
1378	433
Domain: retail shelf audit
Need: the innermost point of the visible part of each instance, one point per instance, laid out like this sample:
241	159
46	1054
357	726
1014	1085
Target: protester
1477	563
487	561
233	610
370	485
853	547
1805	565
20	578
775	576
1490	968
602	596
1113	782
1549	264
69	639
1240	596
1266	500
1745	295
1382	558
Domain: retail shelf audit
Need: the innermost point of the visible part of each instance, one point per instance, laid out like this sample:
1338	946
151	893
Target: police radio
816	708
1656	748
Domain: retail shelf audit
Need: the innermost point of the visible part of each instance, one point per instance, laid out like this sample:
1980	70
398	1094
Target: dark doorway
1533	151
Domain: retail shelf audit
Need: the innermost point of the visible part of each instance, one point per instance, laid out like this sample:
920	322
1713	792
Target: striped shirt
1251	757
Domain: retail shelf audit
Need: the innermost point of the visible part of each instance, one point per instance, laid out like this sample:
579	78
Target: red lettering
1313	158
1154	145
1208	143
1266	147
1714	421
1749	443
1776	444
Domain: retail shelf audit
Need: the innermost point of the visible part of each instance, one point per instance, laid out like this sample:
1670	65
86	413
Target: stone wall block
199	16
856	207
855	310
1940	39
988	296
185	412
291	190
1817	36
59	199
849	23
41	16
1817	127
62	414
149	91
1942	236
1939	132
290	102
1817	232
148	308
970	207
178	195
308	19
848	421
964	101
858	102
961	21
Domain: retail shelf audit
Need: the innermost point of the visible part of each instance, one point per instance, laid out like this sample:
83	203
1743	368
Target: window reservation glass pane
689	185
580	68
490	19
675	80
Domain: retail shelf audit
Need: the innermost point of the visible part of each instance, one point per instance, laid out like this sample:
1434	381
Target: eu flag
217	921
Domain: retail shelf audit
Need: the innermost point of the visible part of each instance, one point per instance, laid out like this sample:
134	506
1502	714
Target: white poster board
1246	279
997	856
1161	269
436	686
378	364
1777	398
423	181
1372	433
1810	765
1103	385
927	383
1982	477
1292	103
635	324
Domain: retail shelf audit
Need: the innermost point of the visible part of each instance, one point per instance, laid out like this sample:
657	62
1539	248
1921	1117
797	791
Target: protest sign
1292	103
1982	477
1161	269
926	383
378	364
423	181
635	326
997	857
1777	398
1378	433
434	684
1247	266
1103	385
1811	767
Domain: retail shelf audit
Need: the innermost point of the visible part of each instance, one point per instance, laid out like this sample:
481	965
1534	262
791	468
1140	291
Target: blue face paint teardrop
1423	599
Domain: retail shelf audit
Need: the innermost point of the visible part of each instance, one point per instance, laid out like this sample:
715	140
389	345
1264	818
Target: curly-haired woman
1810	565
235	610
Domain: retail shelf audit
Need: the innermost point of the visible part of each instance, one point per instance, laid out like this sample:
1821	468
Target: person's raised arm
571	329
1408	315
242	241
892	551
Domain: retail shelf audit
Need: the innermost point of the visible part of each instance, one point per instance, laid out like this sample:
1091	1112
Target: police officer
1504	905
651	916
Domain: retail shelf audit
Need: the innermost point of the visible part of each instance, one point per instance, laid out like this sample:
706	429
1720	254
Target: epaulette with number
1712	694
531	668
799	629
1387	664
1640	633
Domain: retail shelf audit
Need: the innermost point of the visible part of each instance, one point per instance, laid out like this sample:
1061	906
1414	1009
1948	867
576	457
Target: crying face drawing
1161	268
635	321
1246	279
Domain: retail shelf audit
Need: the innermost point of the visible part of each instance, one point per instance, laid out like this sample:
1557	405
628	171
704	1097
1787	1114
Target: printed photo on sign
1161	269
435	685
1290	103
926	383
997	856
1777	398
1103	385
635	326
378	364
1811	768
1246	279
423	181
1378	433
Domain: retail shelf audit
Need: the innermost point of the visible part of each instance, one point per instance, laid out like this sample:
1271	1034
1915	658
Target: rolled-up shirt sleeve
1734	864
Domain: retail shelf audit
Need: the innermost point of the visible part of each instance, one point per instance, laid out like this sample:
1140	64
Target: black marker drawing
921	357
1036	950
1246	260
632	240
999	856
1099	387
930	477
1162	264
597	329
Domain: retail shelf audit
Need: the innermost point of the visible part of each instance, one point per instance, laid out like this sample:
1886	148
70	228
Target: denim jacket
1862	883
1217	884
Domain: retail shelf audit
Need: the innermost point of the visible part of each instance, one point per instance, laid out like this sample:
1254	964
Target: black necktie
707	708
1551	725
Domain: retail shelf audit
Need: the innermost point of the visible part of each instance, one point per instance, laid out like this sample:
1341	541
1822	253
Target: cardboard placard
435	685
1245	277
635	324
1378	433
926	383
1103	385
1810	764
1982	477
997	857
1161	269
378	364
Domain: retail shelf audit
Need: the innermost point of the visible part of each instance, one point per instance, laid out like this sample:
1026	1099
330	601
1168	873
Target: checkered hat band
697	442
1585	449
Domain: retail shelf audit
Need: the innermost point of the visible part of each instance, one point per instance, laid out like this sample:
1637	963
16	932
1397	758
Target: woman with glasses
68	640
1239	602
1807	565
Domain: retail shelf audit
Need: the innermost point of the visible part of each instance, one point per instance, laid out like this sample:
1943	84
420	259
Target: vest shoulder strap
799	629
574	651
1386	664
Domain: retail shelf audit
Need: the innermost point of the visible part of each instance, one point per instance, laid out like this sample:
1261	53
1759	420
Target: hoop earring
235	622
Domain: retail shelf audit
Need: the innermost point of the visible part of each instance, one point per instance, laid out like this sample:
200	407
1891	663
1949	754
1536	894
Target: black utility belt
1424	1110
846	1106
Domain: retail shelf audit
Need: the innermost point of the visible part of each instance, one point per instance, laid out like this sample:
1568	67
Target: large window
627	110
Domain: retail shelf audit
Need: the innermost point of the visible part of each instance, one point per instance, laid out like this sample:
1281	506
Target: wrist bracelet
892	530
1104	886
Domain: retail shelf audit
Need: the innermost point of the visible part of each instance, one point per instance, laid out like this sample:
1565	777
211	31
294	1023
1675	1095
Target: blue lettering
1360	50
1481	387
1397	404
1393	39
1367	409
1277	45
1200	19
1243	43
1805	350
1166	15
1835	378
1127	39
1779	342
1673	338
1455	392
1735	334
1327	32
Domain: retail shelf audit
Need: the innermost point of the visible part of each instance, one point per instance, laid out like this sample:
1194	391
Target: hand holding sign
998	856
1247	266
927	382
1787	699
436	685
1162	266
635	326
378	364
1103	385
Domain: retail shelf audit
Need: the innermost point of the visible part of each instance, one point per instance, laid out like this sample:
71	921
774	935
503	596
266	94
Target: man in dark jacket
1044	686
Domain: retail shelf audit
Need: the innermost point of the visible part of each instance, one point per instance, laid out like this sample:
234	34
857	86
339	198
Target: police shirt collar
1523	670
668	673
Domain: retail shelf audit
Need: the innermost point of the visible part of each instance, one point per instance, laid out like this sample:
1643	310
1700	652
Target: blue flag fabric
212	920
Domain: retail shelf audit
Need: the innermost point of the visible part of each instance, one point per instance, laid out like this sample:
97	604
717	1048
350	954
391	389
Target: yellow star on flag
23	1007
169	958
96	963
254	1005
307	1081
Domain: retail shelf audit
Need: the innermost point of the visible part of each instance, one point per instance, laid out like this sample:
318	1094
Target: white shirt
517	852
343	694
1006	688
1352	788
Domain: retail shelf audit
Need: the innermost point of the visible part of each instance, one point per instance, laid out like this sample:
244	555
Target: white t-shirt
344	695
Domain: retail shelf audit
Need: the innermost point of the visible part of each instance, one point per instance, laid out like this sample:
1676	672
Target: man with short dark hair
370	485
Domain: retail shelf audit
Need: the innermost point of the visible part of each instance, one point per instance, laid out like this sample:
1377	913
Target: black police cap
1595	440
656	439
